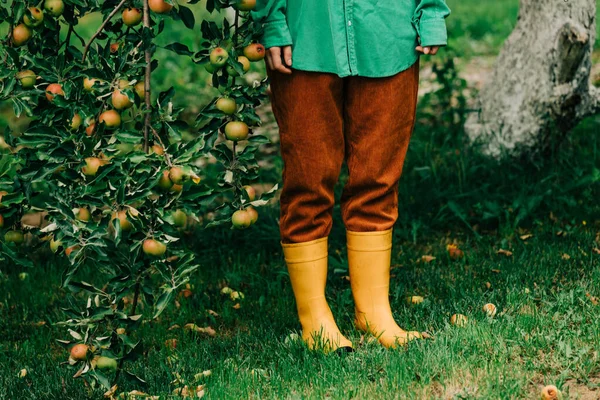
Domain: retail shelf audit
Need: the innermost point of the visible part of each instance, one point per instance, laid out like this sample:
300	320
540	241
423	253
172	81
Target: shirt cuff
432	32
276	34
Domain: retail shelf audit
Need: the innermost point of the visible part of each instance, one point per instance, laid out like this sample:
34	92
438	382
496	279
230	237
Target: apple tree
104	163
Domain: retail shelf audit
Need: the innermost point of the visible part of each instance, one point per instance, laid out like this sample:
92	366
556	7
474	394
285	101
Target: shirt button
349	23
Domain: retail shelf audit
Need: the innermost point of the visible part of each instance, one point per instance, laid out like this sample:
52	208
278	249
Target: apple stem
95	35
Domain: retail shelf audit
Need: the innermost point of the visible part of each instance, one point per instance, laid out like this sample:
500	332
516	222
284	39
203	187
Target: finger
419	49
426	50
275	57
287	55
434	50
269	60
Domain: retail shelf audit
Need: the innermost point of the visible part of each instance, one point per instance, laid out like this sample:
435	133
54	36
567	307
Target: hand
428	49
275	57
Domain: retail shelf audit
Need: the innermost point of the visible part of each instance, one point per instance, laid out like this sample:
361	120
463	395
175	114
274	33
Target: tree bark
540	87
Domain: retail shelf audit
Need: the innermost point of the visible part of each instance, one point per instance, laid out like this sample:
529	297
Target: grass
546	332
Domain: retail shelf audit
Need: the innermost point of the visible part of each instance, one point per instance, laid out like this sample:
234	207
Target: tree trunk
540	87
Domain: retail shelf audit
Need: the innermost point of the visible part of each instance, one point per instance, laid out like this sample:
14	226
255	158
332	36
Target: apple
52	90
83	214
123	84
218	57
124	223
164	182
106	363
458	320
91	126
176	175
250	191
140	89
176	188
241	219
227	105
114	47
253	214
23	276
121	331
160	6
179	218
120	100
37	17
246	5
15	237
54	7
255	52
110	118
71	249
79	352
209	68
88	84
551	392
55	245
157	149
153	247
245	66
76	122
21	34
1	221
27	78
236	130
131	16
92	164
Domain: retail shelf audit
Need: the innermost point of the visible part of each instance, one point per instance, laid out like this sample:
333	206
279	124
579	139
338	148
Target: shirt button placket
350	30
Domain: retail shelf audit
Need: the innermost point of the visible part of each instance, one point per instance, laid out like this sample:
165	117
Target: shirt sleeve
429	22
271	14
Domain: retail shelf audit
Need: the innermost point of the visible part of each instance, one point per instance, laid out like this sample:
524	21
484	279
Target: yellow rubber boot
369	257
307	266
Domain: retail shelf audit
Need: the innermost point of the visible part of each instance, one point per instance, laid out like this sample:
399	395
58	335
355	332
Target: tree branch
112	14
147	86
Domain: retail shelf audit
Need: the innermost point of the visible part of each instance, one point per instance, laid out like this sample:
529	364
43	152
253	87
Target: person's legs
308	110
379	120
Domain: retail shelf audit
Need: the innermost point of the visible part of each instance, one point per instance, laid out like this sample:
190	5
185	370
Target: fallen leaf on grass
506	253
111	392
593	299
454	252
488	285
174	327
427	335
213	313
237	306
496	271
596	250
195	328
565	256
427	258
525	237
22	373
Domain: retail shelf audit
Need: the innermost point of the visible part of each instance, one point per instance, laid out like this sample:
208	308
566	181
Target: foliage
112	167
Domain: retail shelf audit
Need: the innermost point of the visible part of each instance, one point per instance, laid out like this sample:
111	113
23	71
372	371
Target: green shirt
372	38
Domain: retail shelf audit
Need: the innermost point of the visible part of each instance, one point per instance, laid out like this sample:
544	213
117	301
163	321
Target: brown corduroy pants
323	120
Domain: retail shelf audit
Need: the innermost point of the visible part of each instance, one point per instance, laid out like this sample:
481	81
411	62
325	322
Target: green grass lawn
546	332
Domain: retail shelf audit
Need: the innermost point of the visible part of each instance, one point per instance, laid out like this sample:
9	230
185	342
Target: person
344	79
